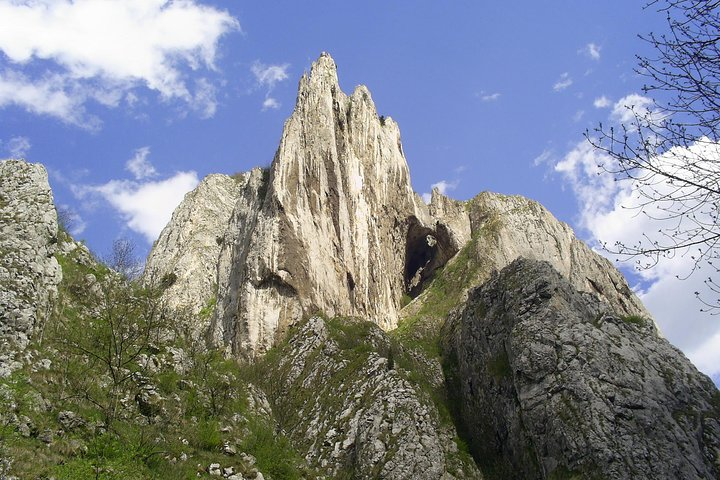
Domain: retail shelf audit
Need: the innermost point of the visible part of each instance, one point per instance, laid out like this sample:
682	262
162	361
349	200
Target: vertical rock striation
29	273
327	229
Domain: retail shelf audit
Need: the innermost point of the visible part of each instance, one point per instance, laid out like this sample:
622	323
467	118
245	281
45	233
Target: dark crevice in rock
426	250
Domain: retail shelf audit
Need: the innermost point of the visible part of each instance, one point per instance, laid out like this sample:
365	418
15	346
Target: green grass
635	320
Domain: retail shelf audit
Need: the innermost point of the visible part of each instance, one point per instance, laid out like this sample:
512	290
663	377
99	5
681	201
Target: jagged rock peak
329	227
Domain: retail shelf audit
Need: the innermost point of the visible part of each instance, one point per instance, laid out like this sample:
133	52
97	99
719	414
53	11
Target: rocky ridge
512	336
29	273
556	383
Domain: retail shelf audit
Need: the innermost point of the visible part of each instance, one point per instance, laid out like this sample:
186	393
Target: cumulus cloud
105	47
139	165
610	212
145	205
18	147
602	102
443	186
269	75
270	104
564	82
592	50
626	109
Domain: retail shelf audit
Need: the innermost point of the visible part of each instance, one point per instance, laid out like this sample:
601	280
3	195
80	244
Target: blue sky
128	103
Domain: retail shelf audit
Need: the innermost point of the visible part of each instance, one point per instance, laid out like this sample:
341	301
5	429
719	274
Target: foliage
110	359
670	151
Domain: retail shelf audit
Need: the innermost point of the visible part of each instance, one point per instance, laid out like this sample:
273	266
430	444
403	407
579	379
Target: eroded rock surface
555	383
338	395
328	227
510	227
29	273
184	259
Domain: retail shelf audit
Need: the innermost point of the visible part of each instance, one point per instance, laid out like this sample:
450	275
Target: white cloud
578	115
592	50
146	207
545	157
51	95
205	99
269	75
625	109
18	147
71	220
564	82
601	102
609	212
270	104
443	186
139	165
105	48
489	97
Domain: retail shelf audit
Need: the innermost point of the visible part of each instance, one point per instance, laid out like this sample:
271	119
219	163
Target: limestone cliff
29	273
334	226
552	382
185	257
327	228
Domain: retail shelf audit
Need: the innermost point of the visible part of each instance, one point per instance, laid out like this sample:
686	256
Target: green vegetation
117	390
635	320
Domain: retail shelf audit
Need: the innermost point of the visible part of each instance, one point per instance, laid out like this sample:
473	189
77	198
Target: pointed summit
322	80
329	236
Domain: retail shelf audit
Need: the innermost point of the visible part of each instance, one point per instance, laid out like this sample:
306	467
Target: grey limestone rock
338	395
29	273
553	382
184	259
330	227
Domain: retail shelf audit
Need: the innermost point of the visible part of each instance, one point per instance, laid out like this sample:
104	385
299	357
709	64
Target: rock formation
184	258
29	273
352	413
513	337
552	382
511	227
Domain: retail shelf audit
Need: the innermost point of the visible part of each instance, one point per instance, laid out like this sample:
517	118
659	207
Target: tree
668	147
123	259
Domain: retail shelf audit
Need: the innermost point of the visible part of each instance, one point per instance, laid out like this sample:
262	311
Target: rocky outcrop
552	382
510	227
337	392
329	223
29	273
184	258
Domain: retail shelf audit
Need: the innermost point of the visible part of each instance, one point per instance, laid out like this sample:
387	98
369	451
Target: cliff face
338	392
552	382
29	273
184	259
336	206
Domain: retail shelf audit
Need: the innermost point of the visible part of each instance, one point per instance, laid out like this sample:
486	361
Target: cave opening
426	250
